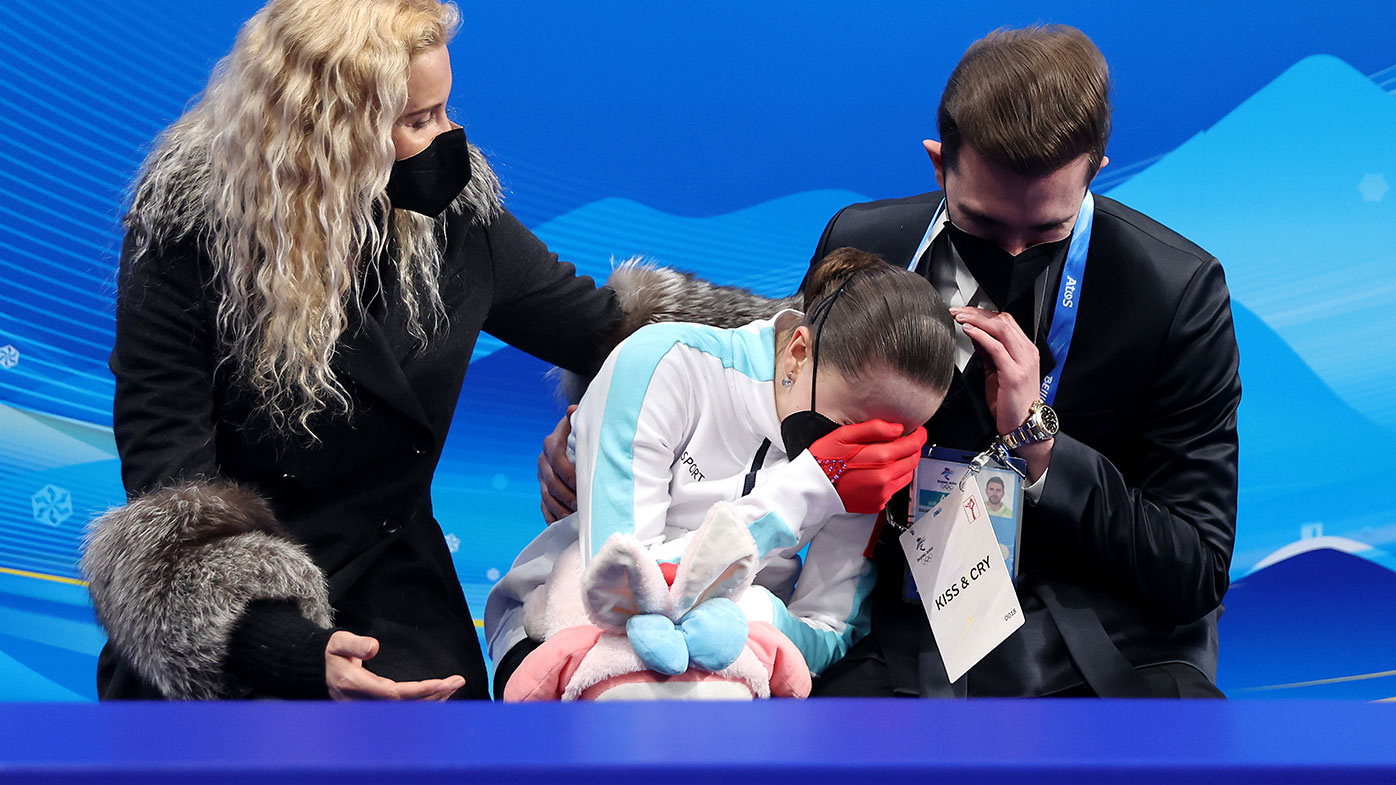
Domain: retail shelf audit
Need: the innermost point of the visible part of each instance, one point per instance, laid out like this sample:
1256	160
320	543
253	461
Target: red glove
868	462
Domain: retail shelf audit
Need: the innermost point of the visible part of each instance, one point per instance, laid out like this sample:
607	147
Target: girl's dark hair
867	316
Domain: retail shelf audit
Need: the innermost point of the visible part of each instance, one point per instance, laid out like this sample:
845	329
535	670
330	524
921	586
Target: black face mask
801	429
429	181
1005	277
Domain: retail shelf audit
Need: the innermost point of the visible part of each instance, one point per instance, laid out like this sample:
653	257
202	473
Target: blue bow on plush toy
676	615
710	636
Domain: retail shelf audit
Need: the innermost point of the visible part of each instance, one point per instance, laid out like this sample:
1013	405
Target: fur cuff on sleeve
650	294
171	572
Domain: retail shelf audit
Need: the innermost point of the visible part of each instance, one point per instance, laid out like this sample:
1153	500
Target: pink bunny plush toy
628	628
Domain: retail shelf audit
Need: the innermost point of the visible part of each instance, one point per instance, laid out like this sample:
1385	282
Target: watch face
1049	420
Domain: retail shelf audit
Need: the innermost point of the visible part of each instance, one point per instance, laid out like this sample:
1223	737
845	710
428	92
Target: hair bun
835	268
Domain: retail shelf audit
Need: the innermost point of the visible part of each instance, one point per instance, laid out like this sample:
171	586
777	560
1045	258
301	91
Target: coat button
390	526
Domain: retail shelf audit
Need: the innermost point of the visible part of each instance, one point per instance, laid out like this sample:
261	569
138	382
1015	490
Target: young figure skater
711	457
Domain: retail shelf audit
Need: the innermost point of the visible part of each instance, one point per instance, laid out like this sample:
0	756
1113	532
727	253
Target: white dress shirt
957	287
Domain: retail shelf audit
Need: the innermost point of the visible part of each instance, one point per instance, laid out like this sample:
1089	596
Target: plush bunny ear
558	603
720	561
623	581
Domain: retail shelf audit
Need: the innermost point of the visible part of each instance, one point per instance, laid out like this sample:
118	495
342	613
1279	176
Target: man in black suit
1131	515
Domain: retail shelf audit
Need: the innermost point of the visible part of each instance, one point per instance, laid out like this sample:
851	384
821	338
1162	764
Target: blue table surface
983	741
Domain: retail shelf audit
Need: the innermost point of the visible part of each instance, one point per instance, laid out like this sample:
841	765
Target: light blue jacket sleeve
829	610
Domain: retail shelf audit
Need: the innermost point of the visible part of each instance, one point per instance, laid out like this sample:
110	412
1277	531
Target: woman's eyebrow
423	110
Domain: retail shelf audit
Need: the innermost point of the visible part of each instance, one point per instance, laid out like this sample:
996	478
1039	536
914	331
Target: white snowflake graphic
1373	187
52	505
452	542
9	356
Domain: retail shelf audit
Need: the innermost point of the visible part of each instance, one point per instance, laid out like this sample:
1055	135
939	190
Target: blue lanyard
1068	293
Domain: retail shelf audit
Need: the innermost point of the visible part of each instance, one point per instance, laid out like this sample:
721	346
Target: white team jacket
671	425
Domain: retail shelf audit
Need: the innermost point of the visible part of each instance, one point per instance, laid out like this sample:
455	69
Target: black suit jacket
1134	530
359	498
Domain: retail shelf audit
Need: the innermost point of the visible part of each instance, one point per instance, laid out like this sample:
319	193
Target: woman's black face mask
801	429
429	181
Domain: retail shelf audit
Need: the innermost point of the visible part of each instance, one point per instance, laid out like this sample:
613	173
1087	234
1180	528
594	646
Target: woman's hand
348	679
557	476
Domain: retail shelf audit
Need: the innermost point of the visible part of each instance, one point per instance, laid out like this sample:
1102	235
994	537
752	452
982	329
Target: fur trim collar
650	294
483	197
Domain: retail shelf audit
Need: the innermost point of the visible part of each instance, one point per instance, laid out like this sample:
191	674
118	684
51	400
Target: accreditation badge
940	470
964	583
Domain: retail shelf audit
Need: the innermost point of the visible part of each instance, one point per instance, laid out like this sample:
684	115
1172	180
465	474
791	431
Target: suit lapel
940	255
366	356
964	421
1046	362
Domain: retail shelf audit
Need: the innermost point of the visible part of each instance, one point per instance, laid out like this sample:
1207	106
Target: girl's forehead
877	395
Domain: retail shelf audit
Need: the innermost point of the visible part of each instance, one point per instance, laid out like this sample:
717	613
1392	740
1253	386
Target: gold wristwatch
1041	425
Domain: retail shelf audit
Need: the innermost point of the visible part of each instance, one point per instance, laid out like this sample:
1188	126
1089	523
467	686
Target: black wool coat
359	498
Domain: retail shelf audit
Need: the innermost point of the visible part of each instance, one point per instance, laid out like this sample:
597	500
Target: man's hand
348	679
1012	376
557	476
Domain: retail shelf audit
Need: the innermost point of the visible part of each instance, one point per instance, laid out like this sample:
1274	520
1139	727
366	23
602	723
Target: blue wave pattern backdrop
719	138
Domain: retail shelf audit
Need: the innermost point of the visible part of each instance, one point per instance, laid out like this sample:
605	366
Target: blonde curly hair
279	170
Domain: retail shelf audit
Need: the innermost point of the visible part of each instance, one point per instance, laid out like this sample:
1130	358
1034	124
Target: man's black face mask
1005	277
429	181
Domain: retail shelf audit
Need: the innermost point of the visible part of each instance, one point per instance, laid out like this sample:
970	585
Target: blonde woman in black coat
312	250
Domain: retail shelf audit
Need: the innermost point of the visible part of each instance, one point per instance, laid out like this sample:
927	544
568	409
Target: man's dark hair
1031	100
993	480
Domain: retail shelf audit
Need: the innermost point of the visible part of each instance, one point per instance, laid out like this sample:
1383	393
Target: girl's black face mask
429	181
801	429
